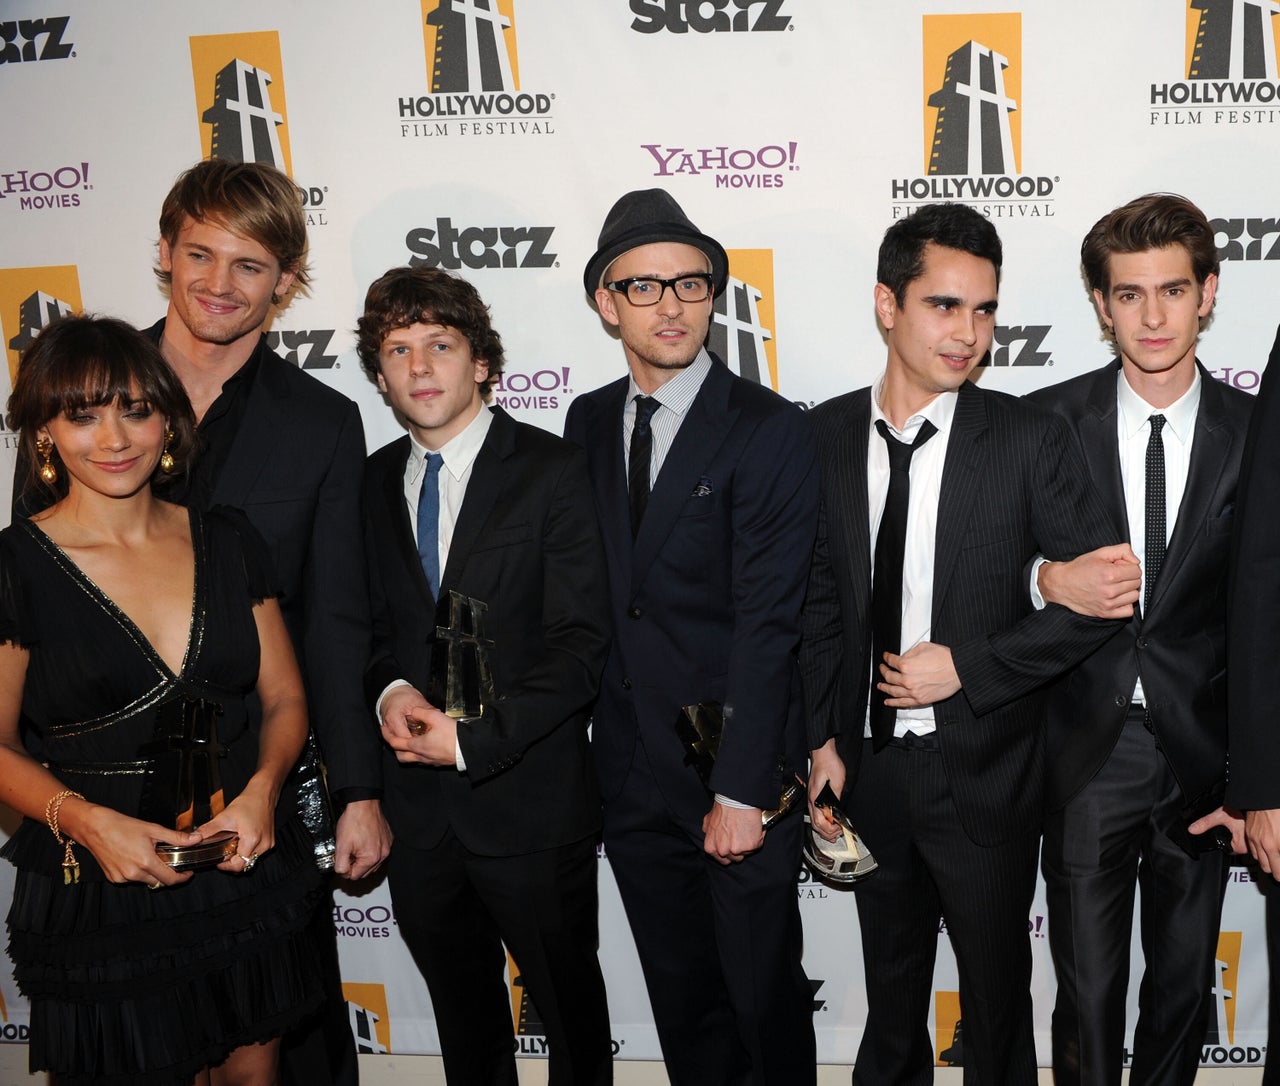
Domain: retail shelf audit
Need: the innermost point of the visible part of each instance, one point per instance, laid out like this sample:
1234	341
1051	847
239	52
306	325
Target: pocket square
703	488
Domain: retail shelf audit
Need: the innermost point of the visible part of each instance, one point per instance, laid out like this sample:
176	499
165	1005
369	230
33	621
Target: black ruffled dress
128	985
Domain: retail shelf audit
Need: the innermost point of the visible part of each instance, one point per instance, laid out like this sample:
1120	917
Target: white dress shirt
459	455
922	529
1133	417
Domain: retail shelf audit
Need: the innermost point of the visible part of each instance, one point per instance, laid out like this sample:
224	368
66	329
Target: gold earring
166	457
48	473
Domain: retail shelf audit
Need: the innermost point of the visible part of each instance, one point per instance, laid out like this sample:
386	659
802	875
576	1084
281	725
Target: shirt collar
459	452
939	411
1179	416
679	392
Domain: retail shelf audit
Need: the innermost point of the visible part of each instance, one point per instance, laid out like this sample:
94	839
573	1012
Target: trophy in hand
699	728
846	859
183	787
461	672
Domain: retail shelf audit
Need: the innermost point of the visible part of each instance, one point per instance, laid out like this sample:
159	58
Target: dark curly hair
406	296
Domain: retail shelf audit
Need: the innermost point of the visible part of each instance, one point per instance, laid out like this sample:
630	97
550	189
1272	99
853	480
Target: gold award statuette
700	728
461	660
183	787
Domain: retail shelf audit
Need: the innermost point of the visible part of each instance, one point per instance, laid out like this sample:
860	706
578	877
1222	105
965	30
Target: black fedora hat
642	218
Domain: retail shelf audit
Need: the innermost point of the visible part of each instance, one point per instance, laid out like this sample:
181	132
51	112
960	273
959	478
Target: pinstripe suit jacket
1013	485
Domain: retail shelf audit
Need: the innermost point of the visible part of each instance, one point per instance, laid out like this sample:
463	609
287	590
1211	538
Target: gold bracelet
70	865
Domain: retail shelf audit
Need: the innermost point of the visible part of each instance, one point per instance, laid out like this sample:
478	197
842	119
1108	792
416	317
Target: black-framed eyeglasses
645	290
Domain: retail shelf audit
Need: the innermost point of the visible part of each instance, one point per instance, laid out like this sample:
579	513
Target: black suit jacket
1179	645
706	600
295	469
526	543
1012	486
1253	642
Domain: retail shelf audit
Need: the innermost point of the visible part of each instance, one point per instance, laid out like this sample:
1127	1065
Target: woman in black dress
125	621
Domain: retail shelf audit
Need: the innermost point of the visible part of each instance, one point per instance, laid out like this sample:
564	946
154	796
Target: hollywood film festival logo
1230	64
973	121
240	101
473	76
30	300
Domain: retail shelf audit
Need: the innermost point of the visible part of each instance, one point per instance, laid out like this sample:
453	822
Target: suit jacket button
626	684
1121	700
635	612
1142	642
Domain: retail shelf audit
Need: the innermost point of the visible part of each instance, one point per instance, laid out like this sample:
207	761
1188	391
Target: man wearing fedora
707	493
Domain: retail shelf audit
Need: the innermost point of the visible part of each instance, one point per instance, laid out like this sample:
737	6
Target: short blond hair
251	199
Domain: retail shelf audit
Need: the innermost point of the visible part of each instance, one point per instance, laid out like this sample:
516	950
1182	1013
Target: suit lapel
397	512
482	493
965	466
609	474
849	473
1210	446
700	436
1100	440
265	414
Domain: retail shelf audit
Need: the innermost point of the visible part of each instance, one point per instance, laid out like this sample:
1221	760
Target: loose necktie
641	459
886	592
429	522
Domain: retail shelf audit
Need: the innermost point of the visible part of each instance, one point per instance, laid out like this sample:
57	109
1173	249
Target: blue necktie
429	522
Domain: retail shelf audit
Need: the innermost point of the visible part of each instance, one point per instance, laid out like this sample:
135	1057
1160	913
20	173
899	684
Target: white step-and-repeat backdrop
491	136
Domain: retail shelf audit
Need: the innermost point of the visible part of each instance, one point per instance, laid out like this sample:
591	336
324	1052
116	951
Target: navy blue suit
706	607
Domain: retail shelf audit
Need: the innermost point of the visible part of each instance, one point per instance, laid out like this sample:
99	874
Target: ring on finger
154	885
249	861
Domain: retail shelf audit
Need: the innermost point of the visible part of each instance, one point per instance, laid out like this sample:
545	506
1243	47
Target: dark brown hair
406	296
85	361
1154	221
251	199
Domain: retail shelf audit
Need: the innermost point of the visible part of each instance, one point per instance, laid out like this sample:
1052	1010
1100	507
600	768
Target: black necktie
429	522
1156	527
641	460
886	592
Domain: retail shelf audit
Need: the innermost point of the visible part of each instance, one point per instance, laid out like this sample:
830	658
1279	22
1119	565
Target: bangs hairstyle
1154	221
251	199
86	361
405	296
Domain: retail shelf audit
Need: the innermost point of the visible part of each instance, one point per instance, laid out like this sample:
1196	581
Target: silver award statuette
183	787
461	668
846	859
700	728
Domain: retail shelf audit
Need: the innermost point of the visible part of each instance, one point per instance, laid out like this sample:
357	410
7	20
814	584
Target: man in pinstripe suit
938	754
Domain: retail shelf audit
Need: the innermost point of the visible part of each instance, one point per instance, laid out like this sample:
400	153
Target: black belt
927	742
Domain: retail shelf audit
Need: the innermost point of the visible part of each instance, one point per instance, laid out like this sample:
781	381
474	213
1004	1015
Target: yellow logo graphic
29	299
470	45
370	1022
742	318
972	93
240	98
946	1029
1232	39
523	1012
1227	974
